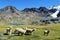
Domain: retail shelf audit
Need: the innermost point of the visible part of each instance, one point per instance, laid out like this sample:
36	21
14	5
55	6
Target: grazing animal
46	32
19	31
8	31
29	31
22	31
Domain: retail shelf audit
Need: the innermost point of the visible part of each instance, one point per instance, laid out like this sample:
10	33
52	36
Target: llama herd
22	31
19	31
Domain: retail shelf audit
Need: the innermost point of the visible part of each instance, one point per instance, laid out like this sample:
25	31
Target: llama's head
34	29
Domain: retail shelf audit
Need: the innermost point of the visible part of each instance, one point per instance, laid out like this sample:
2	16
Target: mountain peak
10	7
55	7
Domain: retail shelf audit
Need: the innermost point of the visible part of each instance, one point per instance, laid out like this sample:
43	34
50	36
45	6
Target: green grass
38	34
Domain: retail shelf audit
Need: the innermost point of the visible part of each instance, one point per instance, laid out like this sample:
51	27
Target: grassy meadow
37	35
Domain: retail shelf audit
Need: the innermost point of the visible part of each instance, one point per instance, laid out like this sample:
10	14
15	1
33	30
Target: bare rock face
42	11
11	15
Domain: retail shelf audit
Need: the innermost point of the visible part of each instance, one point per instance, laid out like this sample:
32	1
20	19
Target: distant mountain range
11	15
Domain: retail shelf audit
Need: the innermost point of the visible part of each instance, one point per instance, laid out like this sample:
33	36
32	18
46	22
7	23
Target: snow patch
57	7
54	15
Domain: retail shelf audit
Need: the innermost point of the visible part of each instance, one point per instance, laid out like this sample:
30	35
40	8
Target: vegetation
37	35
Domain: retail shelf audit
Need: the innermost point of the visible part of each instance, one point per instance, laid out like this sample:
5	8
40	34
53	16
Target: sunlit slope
38	34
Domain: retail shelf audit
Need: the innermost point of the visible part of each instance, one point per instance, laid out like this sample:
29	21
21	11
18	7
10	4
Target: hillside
41	15
38	34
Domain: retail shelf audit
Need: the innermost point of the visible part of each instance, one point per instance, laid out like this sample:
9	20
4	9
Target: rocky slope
11	15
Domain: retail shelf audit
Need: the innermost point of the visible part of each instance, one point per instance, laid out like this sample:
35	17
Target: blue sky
21	4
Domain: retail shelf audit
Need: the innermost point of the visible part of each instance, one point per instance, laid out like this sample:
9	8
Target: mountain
56	11
42	11
8	14
8	10
11	15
